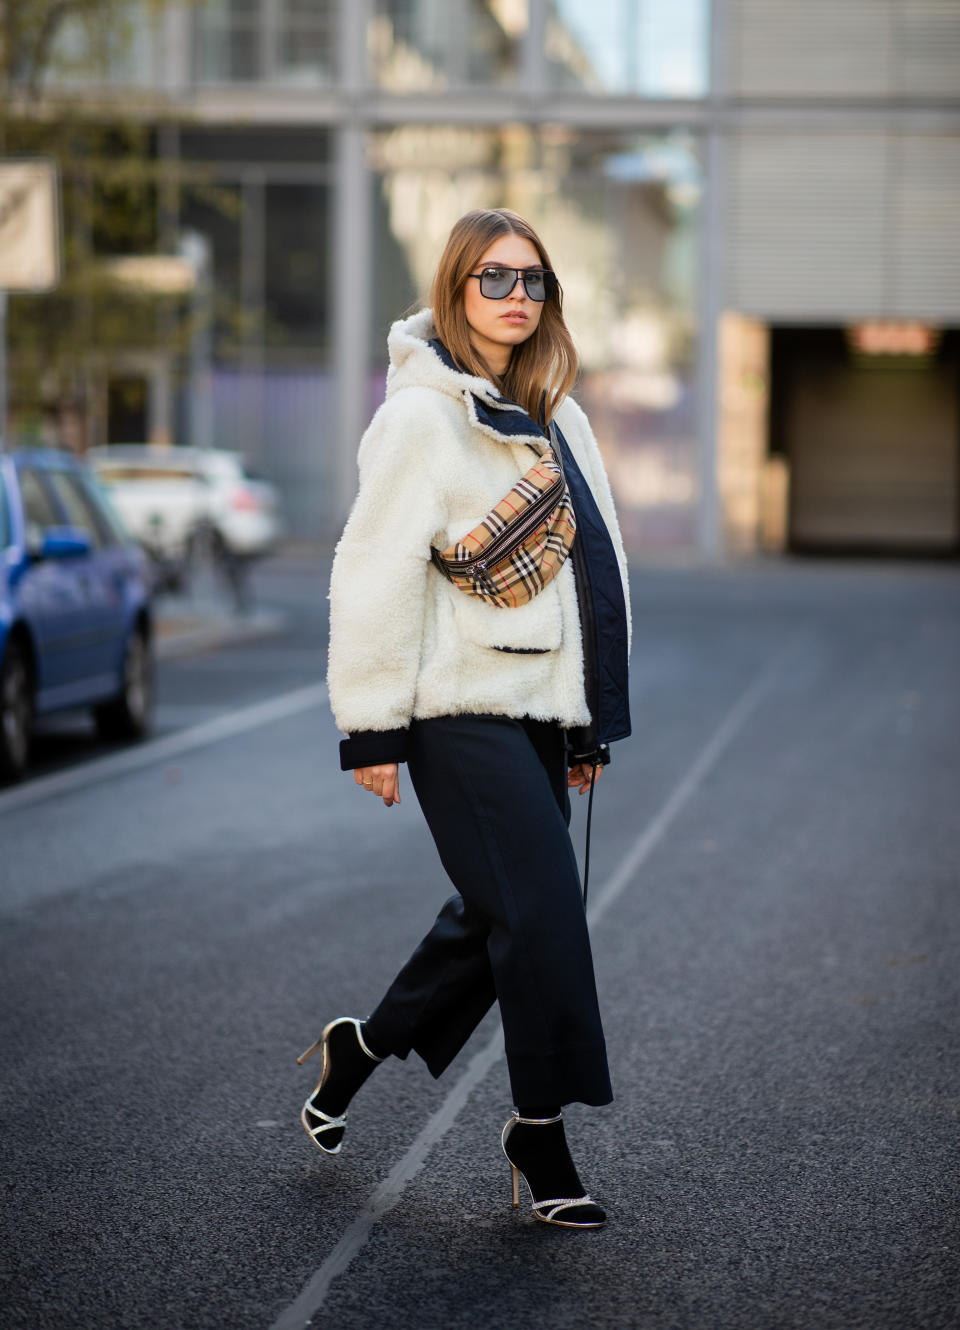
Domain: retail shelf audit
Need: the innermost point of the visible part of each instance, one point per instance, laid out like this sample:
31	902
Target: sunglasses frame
550	283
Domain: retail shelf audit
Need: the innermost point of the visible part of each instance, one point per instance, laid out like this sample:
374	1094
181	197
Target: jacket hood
418	359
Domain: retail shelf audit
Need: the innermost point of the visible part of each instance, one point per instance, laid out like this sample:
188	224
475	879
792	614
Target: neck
496	358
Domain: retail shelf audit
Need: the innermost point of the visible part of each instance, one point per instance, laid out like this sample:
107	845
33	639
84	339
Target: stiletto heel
540	1156
310	1051
346	1032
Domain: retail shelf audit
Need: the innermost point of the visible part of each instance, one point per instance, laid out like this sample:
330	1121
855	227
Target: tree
120	196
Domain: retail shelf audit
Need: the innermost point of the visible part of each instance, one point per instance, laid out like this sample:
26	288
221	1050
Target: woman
488	706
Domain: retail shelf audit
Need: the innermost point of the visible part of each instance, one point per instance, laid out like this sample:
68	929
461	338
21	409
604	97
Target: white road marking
161	750
310	1299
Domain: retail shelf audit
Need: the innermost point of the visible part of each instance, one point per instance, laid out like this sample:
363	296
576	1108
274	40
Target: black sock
376	1049
349	1067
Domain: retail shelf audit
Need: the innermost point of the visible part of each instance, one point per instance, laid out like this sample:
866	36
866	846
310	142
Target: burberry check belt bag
521	544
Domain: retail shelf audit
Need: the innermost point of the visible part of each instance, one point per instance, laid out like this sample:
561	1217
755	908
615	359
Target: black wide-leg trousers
493	791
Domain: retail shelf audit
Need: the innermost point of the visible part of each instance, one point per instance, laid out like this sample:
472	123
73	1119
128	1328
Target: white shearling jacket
404	642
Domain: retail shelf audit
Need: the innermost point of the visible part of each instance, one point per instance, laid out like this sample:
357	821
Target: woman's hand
581	775
383	781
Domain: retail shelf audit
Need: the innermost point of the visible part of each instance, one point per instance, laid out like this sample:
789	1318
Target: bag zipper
514	535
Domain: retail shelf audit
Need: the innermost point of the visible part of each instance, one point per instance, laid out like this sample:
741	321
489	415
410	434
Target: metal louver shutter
782	48
806	226
924	250
844	48
927	53
832	227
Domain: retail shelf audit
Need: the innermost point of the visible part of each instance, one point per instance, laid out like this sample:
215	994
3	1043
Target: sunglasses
497	283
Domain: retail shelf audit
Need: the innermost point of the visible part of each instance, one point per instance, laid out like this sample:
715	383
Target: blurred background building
752	206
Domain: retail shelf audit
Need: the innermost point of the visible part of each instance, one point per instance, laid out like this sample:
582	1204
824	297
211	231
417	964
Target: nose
513	290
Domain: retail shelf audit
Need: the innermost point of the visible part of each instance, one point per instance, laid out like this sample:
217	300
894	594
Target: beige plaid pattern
520	545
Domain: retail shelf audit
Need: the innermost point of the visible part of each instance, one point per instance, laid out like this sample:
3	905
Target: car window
115	473
80	511
4	515
114	530
39	514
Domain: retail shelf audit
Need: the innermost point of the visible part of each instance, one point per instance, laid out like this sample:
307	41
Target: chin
512	336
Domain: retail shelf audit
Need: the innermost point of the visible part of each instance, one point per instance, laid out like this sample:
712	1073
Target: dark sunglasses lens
536	284
496	283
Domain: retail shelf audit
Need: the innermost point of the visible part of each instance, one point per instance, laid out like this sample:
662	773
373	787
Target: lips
514	318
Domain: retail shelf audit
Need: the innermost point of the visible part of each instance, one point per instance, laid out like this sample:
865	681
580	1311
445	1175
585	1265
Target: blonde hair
547	362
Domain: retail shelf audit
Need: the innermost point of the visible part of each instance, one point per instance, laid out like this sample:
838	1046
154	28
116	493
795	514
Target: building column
709	525
353	261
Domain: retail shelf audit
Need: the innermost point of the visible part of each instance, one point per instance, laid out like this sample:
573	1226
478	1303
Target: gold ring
368	784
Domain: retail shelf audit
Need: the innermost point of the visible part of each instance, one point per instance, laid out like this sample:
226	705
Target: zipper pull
480	572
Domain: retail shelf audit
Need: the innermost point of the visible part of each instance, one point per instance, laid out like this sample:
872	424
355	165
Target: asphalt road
775	914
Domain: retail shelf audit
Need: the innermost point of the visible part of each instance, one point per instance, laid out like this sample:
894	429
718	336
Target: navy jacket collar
496	412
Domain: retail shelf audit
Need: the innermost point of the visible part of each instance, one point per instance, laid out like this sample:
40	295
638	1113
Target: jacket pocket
531	629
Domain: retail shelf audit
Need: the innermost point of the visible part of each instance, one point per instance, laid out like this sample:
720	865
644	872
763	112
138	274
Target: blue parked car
75	616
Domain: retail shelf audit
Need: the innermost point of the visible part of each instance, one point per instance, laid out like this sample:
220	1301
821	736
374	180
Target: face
497	326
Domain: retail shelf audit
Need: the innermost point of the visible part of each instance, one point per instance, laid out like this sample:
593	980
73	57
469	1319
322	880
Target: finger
391	790
358	776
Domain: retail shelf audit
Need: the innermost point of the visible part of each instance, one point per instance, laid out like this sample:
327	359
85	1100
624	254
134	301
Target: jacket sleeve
379	578
596	475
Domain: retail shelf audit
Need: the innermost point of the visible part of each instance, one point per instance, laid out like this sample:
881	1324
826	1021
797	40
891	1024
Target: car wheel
16	712
130	713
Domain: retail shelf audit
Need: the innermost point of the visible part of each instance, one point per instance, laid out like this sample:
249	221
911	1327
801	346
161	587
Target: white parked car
243	510
174	499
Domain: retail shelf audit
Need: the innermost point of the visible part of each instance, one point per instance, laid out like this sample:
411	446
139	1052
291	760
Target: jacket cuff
372	748
598	756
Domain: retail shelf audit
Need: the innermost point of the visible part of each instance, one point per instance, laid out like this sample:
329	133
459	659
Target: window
116	43
4	516
248	144
215	211
275	41
424	44
115	533
79	511
654	48
297	245
305	41
228	41
39	514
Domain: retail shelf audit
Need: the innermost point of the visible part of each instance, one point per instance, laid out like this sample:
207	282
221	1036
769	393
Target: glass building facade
705	174
325	148
618	213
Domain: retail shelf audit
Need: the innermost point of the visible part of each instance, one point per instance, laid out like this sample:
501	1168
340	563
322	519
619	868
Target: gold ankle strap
363	1044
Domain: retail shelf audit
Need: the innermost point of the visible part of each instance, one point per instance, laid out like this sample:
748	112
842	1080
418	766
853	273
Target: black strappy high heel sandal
536	1150
346	1064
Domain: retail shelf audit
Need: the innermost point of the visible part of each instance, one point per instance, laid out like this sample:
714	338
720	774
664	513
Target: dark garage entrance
870	428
